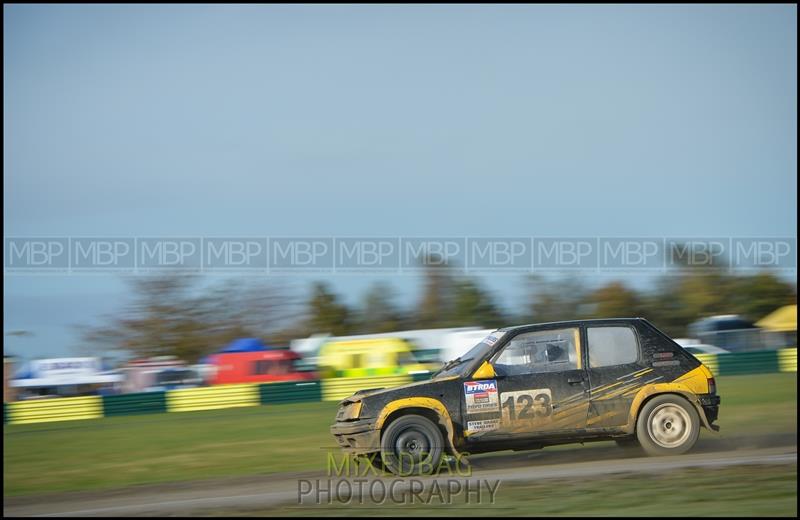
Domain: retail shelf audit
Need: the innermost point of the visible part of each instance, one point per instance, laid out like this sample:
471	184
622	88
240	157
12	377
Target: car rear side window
610	346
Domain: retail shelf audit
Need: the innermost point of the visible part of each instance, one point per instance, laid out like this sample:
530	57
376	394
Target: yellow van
370	357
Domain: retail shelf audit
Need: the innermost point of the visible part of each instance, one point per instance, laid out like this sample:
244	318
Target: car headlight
351	411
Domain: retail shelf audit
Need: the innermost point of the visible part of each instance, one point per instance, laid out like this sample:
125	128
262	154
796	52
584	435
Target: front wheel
371	460
667	425
412	445
629	444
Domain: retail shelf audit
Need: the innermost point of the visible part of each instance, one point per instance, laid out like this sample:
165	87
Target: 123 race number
526	405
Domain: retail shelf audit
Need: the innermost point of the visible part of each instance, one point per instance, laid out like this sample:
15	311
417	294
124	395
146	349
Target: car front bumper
357	436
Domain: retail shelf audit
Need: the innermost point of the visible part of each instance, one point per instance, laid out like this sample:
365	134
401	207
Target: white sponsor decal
483	426
481	396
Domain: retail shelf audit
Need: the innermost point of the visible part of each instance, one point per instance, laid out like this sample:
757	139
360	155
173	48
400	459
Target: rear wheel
412	445
667	425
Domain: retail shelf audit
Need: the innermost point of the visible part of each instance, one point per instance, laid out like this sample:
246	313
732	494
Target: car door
616	372
540	388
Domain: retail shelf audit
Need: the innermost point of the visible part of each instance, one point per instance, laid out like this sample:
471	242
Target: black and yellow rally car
531	386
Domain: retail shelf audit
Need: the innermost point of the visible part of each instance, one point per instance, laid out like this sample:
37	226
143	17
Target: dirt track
266	491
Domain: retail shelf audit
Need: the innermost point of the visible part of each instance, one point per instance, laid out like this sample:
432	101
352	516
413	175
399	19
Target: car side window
538	352
610	346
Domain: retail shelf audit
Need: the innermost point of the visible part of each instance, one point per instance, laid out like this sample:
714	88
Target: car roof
570	323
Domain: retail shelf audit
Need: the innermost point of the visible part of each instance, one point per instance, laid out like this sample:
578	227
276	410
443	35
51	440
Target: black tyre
371	460
377	463
667	425
629	444
412	445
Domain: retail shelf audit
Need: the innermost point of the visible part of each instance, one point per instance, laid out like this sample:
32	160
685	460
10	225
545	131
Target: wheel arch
427	407
648	394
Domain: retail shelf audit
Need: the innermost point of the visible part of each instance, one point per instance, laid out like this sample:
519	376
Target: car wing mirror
485	371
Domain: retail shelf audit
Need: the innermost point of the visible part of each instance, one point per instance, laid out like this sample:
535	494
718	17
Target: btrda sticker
481	396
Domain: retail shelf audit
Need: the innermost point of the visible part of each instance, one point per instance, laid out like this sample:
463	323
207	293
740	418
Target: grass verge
118	452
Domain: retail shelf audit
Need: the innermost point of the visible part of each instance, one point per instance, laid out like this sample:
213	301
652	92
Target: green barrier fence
757	362
228	396
290	392
747	363
132	404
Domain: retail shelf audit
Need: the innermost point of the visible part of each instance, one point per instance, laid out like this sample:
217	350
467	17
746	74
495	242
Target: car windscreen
458	365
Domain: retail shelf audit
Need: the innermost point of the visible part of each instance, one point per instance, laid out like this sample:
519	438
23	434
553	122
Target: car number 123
526	405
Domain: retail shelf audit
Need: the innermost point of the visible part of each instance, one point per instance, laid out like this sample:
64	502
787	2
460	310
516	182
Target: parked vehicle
429	345
174	378
531	386
728	331
140	375
65	377
370	357
261	366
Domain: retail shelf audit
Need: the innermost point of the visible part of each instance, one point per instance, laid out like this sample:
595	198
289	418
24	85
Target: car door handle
575	380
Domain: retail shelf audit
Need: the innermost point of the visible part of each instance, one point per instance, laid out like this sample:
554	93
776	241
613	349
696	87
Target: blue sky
384	121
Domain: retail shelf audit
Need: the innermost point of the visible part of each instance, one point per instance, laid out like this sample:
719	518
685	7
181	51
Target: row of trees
449	301
182	316
185	317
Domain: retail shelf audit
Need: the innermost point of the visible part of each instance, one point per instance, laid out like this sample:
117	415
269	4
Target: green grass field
123	451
